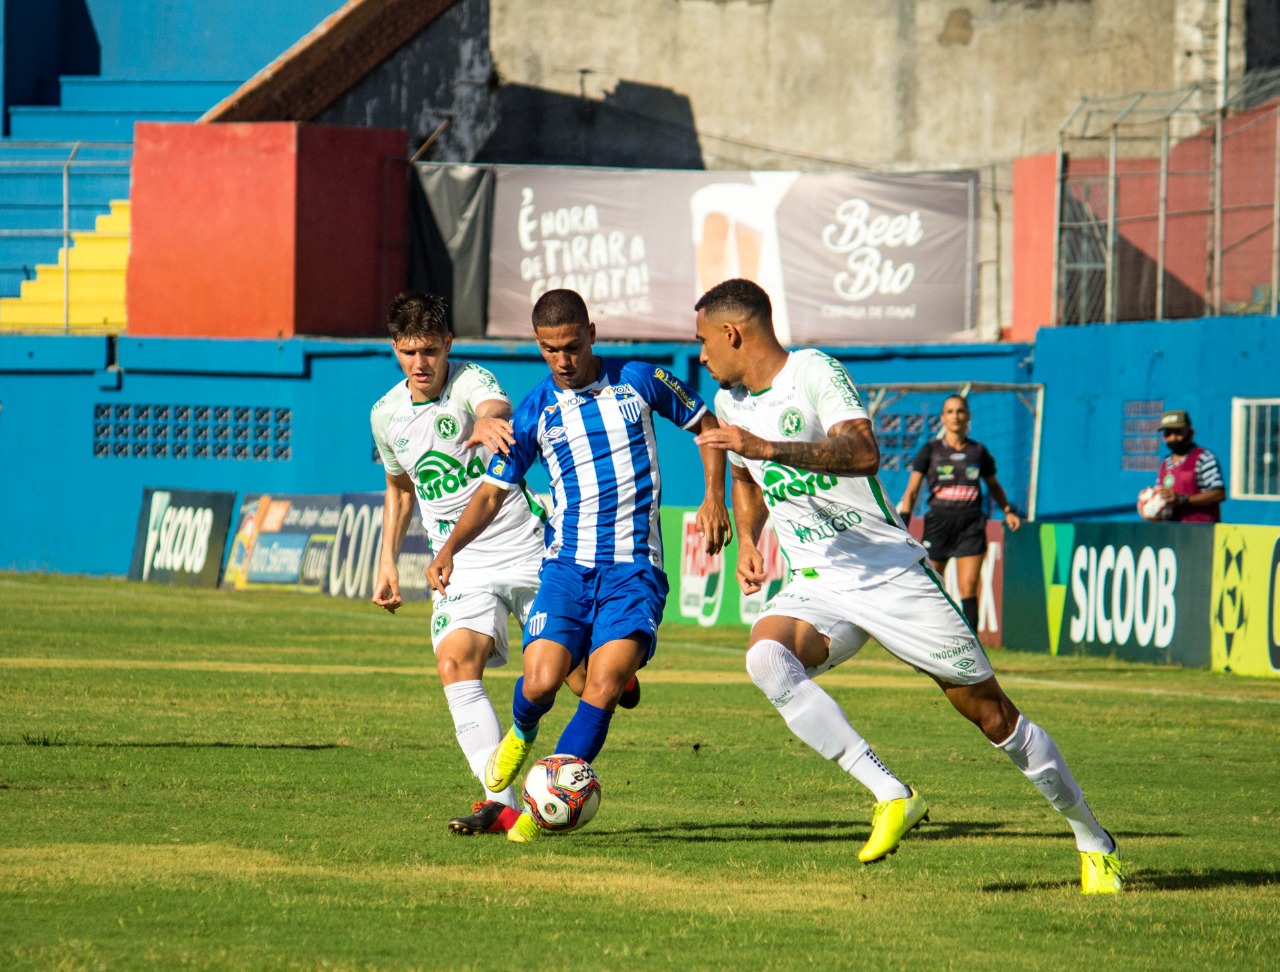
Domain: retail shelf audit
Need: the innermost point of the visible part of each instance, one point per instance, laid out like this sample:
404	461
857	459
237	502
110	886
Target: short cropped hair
737	296
557	307
414	316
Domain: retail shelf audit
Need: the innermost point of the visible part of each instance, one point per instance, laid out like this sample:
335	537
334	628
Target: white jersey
428	440
822	520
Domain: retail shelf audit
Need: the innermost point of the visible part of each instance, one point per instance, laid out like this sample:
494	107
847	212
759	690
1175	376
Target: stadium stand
66	150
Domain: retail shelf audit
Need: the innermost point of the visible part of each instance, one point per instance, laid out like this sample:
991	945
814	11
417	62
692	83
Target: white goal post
1006	418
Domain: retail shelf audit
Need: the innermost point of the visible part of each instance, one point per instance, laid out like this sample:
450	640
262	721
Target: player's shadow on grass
739	829
175	744
1144	880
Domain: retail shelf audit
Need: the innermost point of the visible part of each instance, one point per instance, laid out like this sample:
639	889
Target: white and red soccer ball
561	792
1152	505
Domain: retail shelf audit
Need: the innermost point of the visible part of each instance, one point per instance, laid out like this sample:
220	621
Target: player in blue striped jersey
602	588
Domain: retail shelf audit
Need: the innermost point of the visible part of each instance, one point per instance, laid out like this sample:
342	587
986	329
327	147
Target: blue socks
525	714
585	734
583	737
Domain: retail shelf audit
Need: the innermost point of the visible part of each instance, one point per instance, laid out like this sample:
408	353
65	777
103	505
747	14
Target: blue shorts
582	608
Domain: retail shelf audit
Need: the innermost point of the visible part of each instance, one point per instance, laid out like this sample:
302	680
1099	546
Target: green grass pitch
195	779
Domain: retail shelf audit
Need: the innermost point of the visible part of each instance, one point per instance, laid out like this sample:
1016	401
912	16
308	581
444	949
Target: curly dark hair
415	315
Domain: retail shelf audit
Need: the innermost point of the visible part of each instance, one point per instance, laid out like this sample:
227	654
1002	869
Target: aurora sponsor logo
441	475
779	482
682	393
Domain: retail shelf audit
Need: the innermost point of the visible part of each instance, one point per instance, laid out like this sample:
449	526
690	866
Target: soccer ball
1152	505
561	792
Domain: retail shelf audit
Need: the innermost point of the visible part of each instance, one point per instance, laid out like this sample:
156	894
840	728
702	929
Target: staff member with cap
1189	478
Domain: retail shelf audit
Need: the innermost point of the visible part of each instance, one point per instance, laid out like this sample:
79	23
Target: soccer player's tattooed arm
484	505
493	426
849	449
397	515
749	515
712	517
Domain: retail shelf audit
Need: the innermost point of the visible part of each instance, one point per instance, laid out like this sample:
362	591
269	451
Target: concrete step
18	314
46	216
19	150
123	94
117	220
22	184
93	286
91	251
58	124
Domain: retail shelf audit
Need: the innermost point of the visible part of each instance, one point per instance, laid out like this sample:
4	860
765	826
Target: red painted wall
1035	187
265	230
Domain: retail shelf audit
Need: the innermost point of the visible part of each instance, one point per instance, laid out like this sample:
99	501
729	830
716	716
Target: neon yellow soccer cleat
890	823
525	830
505	762
1101	873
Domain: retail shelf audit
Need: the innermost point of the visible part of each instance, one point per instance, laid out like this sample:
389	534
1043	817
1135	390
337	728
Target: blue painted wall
40	40
1091	372
211	39
69	500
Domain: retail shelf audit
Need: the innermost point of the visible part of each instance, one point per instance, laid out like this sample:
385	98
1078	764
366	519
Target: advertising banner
1244	613
704	589
282	542
181	537
1139	591
846	259
990	582
357	543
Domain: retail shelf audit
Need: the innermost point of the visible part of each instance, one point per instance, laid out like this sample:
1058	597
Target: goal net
1005	418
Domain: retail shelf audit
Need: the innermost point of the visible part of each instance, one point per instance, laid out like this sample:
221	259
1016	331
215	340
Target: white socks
817	719
478	731
1034	752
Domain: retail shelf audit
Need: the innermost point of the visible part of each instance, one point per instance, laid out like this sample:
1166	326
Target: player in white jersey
803	455
436	432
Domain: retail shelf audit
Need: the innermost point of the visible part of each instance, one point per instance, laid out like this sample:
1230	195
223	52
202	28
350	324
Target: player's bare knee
541	684
997	718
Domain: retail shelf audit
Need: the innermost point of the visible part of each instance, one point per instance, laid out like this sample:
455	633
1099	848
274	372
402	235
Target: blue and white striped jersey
598	446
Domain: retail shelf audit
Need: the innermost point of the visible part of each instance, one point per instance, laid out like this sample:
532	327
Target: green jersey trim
933	576
878	493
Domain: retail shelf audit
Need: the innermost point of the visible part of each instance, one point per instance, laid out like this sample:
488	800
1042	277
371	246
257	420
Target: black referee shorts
948	535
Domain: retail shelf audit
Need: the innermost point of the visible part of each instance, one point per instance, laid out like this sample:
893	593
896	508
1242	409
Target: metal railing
1164	201
71	164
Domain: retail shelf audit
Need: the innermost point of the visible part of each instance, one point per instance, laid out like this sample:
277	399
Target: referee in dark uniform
955	526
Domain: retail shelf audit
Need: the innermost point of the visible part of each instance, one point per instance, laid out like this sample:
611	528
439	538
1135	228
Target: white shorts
485	608
909	614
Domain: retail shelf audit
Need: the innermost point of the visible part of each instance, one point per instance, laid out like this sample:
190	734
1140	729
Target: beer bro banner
846	259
